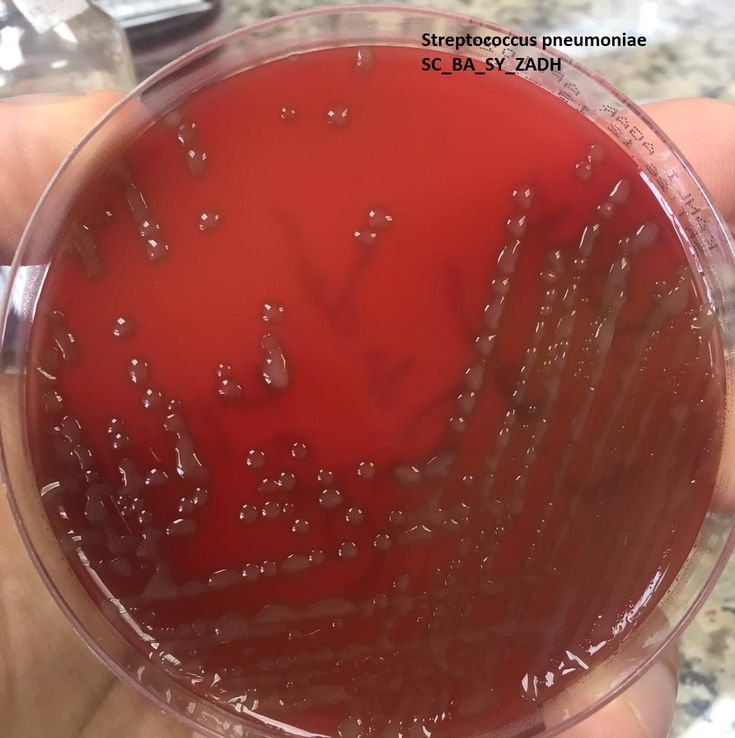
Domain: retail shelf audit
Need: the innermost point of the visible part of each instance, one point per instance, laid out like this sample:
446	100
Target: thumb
36	133
644	710
704	130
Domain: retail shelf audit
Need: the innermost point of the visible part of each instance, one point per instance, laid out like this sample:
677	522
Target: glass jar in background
51	47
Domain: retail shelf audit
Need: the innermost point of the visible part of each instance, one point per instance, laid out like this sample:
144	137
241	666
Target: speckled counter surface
690	51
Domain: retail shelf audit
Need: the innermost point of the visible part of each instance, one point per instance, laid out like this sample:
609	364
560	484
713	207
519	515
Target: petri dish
350	397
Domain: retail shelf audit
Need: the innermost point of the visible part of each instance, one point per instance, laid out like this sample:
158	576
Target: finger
704	130
36	133
644	710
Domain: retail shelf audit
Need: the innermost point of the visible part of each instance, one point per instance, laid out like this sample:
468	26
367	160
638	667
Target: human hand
49	681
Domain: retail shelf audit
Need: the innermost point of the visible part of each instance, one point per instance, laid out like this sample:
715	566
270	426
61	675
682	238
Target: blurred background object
161	30
48	46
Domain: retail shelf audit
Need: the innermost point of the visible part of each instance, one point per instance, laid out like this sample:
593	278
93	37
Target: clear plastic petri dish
482	622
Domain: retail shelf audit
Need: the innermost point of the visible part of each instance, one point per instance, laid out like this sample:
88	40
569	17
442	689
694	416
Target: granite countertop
690	51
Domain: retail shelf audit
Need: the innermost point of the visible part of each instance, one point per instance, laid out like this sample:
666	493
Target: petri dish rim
712	256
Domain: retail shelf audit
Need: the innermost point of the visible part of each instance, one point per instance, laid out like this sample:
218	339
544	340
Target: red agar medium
381	402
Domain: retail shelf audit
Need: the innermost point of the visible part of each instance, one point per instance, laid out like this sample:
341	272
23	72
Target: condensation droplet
255	459
139	371
523	196
439	465
288	112
268	486
148	547
466	402
149	228
200	497
156	250
295	563
325	476
181	527
646	235
228	627
174	420
416	533
517	225
555	261
474	375
156	478
620	192
196	160
401	582
71	429
458	424
251	572
379	218
273	312
131	479
338	115
347	550
225	578
396	518
271	510
606	210
136	203
82	244
229	389
145	517
48	363
300	526
63	338
119	567
366	470
330	498
366	236
500	286
407	474
596	154
268	568
287	481
95	510
364	61
53	402
484	344
83	457
383	542
208	220
354	516
152	398
316	557
186	133
299	451
274	366
493	311
119	438
508	257
583	170
123	327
